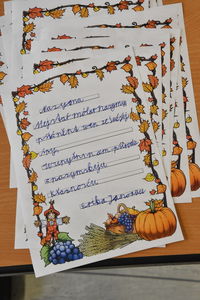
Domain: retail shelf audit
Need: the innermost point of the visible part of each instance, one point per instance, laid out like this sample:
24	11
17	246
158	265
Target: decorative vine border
83	10
72	79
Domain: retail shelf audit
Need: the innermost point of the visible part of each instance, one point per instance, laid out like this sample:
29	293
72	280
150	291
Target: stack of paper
99	109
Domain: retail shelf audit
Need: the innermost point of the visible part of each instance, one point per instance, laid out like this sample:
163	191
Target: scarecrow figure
51	223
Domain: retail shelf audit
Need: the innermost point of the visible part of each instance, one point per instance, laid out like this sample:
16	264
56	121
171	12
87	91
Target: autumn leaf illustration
161	188
33	155
37	210
29	27
40	198
133	81
28	44
25	148
147	87
153	81
184	82
45	87
182	67
54	49
147	159
64	78
45	65
149	177
20	107
151	65
127	67
127	89
164	114
164	70
111	66
76	8
154	109
24	90
26	161
1	63
123	5
33	177
63	37
144	126
163	97
140	108
134	116
73	81
24	123
2	75
26	136
35	13
145	145
57	13
151	24
172	64
84	13
138	60
111	10
138	8
99	74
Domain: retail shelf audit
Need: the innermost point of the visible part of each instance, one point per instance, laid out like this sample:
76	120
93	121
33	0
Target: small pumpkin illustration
194	176
155	222
178	182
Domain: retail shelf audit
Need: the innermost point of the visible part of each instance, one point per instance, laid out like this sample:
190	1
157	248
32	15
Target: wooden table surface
189	214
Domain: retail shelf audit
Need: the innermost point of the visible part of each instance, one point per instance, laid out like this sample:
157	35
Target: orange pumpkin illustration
155	222
194	176
178	182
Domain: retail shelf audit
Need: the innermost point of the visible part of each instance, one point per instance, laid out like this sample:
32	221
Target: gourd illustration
155	222
194	176
178	182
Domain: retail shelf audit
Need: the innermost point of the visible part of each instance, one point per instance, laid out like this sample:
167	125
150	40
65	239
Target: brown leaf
111	66
147	87
99	74
153	81
57	14
40	198
20	107
45	87
84	13
127	67
33	177
26	136
64	78
26	161
76	8
73	81
127	89
29	27
111	10
2	75
24	123
133	81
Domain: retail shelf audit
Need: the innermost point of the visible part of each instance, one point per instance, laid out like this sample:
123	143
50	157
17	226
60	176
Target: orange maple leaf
153	81
111	66
145	145
123	5
164	70
26	161
35	12
133	81
24	90
33	177
24	123
46	65
28	44
151	24
54	49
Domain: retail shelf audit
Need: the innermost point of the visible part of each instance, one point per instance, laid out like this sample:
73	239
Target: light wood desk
186	251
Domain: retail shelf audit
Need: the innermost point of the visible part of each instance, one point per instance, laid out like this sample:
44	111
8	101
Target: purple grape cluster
127	220
64	251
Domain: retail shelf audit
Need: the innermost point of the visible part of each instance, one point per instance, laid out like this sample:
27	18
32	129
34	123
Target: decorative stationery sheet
85	156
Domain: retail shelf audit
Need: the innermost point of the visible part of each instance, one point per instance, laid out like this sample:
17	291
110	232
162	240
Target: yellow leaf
149	177
26	136
20	107
151	65
33	177
164	152
140	108
45	87
182	67
25	148
84	75
39	198
73	81
99	74
22	51
155	162
154	109
35	187
84	13
111	10
2	75
127	67
127	89
155	126
164	114
147	159
96	8
76	8
184	82
144	126
57	14
33	155
29	27
64	78
134	116
163	97
138	8
147	87
19	132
